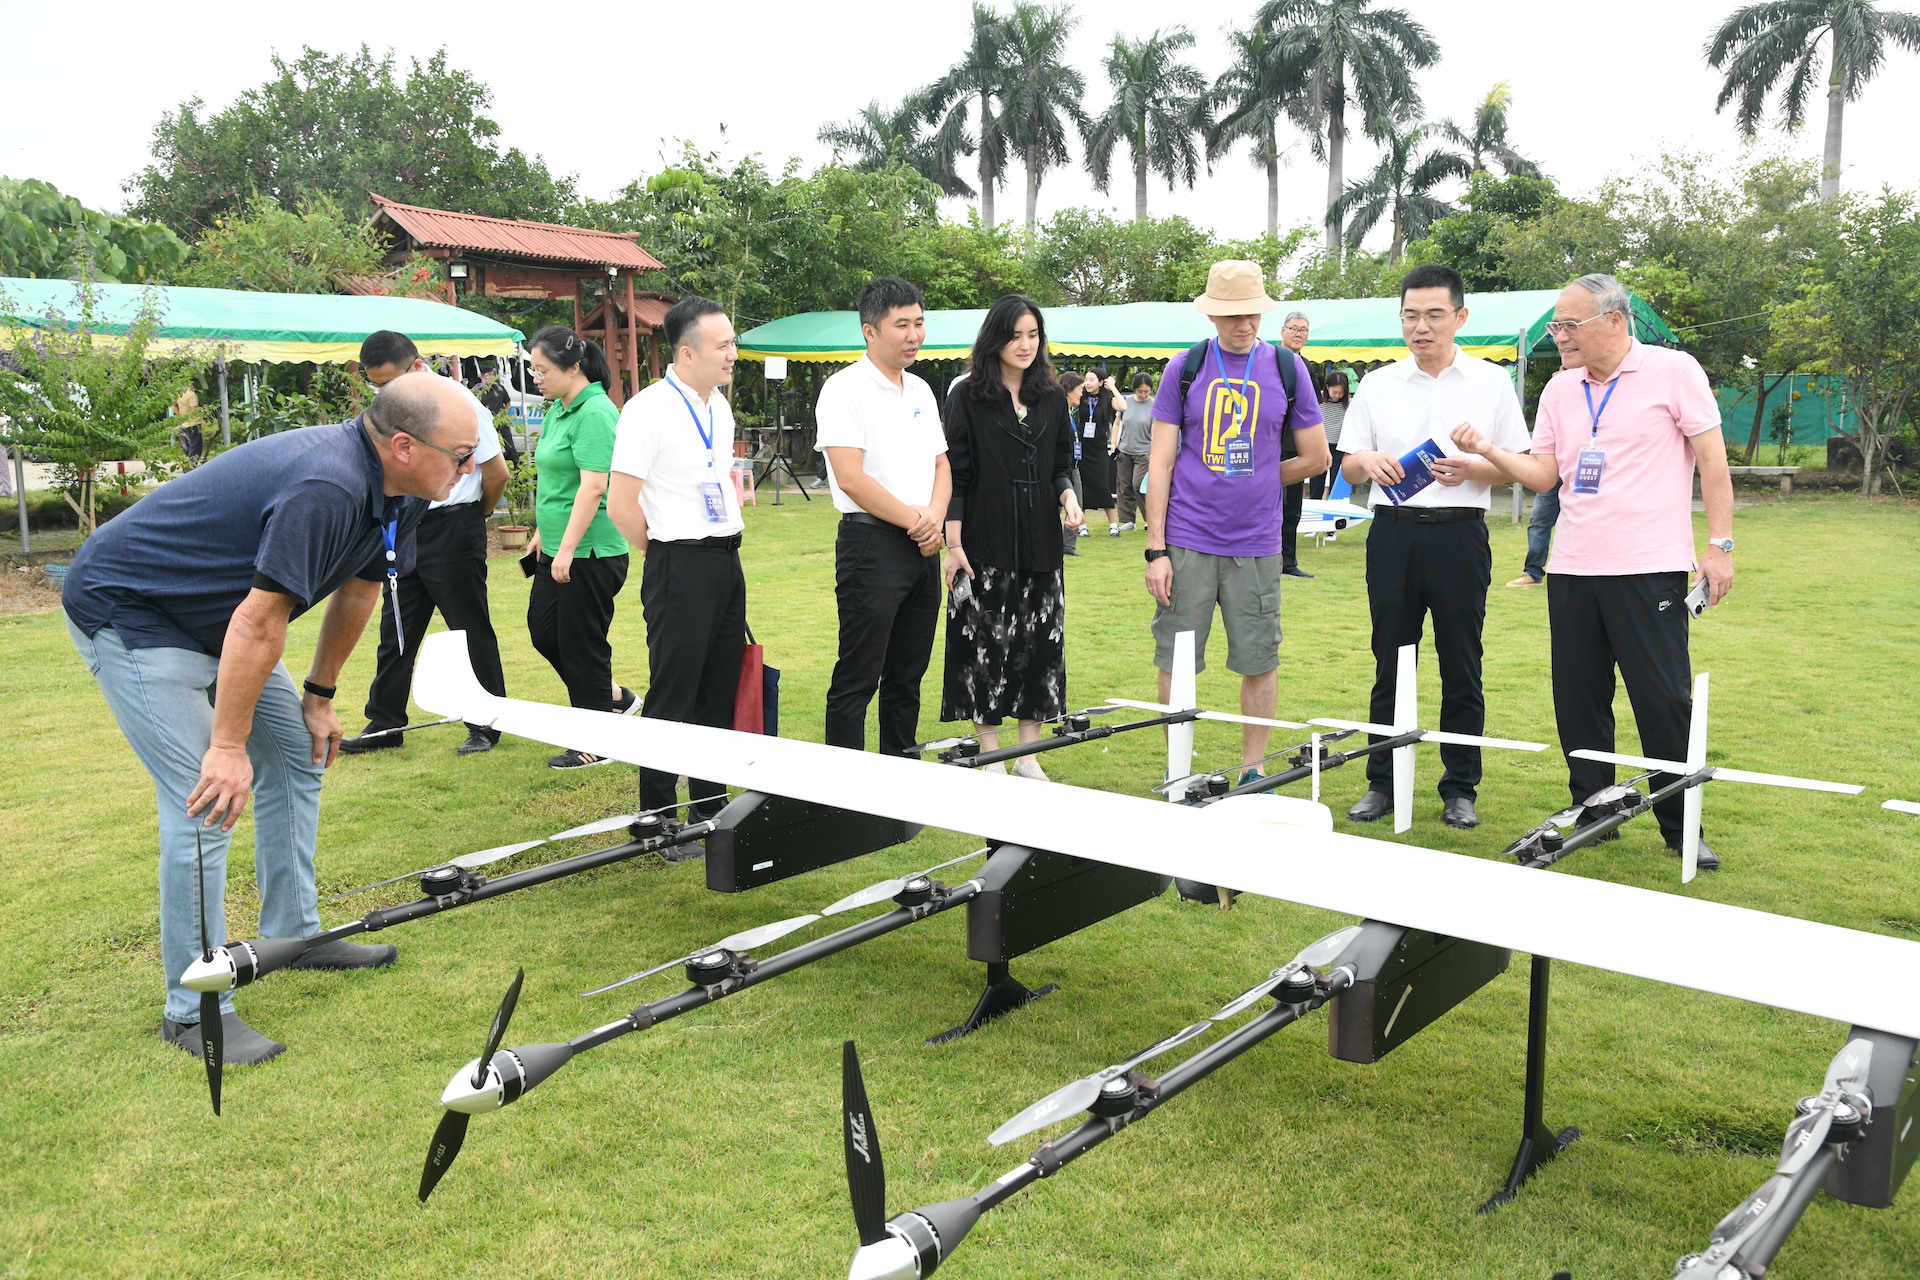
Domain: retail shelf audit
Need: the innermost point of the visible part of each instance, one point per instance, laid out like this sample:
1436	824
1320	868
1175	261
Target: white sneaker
1113	531
998	766
1083	531
1029	767
1127	527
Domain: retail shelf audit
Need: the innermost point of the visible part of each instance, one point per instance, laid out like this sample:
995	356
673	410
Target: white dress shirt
658	442
467	487
1400	406
897	427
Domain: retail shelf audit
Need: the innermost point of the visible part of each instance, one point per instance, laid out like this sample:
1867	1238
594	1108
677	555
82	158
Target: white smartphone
1696	600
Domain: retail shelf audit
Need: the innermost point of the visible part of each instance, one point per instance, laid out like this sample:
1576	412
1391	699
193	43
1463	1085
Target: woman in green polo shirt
580	559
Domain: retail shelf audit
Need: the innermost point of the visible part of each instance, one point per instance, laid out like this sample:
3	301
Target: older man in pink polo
1622	428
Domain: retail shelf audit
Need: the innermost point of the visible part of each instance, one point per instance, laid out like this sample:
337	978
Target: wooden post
633	335
576	304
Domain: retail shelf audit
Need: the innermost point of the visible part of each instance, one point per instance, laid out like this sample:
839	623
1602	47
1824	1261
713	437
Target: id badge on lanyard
1238	446
712	498
389	534
1592	462
716	502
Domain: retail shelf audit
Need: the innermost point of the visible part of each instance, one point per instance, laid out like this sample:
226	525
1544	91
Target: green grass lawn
709	1146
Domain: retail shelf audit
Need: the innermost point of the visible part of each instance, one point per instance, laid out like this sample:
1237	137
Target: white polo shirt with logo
898	428
1400	406
659	443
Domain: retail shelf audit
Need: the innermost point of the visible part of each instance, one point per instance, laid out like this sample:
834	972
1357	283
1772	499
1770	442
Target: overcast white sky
85	101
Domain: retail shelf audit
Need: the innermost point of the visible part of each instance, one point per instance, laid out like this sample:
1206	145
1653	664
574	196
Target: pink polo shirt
1641	521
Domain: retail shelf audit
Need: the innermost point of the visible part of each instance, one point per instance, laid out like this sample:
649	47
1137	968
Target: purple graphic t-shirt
1226	494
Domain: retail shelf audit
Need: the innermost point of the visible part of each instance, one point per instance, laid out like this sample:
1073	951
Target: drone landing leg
1004	994
1538	1144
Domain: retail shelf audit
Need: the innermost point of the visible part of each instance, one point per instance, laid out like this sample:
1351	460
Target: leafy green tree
1778	43
1265	83
1485	139
1400	188
1469	240
1098	260
1857	315
1041	101
880	136
44	234
977	82
79	398
1353	274
1158	110
1360	57
339	125
275	250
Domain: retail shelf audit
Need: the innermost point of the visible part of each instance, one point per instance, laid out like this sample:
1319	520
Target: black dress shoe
1705	860
240	1044
344	954
1372	806
478	740
1296	572
1458	812
361	745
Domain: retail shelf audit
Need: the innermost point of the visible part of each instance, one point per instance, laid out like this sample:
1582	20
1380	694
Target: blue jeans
162	700
1546	513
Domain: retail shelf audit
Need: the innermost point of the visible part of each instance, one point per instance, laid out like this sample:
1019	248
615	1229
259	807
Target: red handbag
756	699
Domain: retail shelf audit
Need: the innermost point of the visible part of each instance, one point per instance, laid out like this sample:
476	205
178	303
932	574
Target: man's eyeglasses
1408	319
1555	328
460	459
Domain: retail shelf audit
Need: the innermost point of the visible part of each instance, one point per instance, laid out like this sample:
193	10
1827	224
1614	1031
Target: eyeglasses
459	459
1557	327
1411	318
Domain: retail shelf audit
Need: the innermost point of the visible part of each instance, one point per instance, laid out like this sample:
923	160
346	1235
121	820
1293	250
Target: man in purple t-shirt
1214	492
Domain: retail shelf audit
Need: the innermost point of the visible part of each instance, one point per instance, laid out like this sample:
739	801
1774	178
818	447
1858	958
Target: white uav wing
1818	969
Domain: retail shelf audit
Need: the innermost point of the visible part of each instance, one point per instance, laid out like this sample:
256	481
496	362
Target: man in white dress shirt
1428	555
670	496
879	427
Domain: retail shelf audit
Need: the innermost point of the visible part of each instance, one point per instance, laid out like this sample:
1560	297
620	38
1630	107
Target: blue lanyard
1246	378
389	533
1591	411
706	432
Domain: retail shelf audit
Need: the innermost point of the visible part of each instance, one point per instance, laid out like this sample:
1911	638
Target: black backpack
1289	378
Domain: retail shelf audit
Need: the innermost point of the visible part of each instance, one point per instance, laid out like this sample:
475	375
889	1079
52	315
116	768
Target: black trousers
1415	571
1637	622
889	602
1290	509
694	599
449	574
568	623
1318	486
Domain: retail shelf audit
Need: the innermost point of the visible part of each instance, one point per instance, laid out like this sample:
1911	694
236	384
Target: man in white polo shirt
879	427
670	496
1428	555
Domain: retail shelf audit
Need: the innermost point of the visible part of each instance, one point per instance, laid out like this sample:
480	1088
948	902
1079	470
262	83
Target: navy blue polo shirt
299	512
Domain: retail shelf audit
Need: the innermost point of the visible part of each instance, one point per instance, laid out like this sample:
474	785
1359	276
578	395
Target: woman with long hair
1010	449
1333	408
579	559
1093	430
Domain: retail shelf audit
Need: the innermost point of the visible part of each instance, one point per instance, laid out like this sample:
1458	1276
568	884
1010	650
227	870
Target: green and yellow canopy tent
1349	331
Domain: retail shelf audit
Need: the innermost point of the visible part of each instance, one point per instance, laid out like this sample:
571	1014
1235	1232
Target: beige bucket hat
1235	288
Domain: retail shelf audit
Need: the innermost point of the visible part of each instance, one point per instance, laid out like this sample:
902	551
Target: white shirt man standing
1428	556
879	427
1621	429
670	495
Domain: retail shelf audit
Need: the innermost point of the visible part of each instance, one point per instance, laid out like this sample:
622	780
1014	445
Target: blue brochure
1418	465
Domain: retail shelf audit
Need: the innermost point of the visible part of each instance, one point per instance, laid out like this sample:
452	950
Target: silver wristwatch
1725	544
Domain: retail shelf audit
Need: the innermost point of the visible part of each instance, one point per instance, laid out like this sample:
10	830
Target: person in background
1333	412
1074	388
1135	447
579	558
670	496
1010	452
879	428
1096	435
449	574
1293	336
1546	514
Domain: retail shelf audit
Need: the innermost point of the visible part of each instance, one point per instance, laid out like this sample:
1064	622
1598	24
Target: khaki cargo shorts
1247	590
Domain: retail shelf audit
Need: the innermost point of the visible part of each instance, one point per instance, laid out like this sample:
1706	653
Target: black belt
725	542
861	517
1431	515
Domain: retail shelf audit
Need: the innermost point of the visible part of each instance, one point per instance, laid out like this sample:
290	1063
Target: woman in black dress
1010	451
1098	441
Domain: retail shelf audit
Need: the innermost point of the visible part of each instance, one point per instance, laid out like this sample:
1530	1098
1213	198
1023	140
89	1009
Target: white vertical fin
1182	696
1691	798
1316	768
1406	718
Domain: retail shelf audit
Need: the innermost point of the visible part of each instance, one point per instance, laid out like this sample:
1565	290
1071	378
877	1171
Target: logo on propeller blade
857	1134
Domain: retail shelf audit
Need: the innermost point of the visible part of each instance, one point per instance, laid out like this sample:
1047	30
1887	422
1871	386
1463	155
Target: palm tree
1400	186
1359	56
1264	83
1041	102
1486	141
1760	45
1158	108
978	79
880	136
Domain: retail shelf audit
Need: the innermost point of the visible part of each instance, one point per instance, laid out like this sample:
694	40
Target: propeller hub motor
646	826
965	750
440	882
1216	784
1297	987
915	892
1116	1098
1849	1122
710	967
1076	724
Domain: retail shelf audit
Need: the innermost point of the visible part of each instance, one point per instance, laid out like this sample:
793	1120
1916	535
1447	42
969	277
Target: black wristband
1156	553
319	690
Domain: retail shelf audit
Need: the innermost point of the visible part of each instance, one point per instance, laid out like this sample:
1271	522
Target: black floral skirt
1006	648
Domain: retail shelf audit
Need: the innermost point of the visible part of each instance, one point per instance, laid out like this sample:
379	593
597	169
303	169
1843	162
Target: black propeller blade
452	1129
213	1047
866	1176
